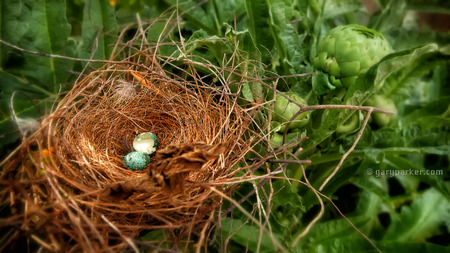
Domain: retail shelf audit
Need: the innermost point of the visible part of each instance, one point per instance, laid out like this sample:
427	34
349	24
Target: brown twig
279	161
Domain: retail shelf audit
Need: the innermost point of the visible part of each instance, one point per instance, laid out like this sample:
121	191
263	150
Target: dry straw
68	188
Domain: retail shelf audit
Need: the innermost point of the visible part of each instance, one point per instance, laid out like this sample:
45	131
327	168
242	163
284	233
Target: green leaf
11	28
288	205
284	33
222	13
413	85
424	134
411	247
160	236
198	17
258	16
338	8
391	16
228	12
374	191
252	91
215	45
414	173
156	30
440	6
28	103
420	220
326	235
99	30
47	32
246	235
344	245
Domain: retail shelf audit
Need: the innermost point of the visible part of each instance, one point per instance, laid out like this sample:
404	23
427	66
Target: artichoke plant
345	53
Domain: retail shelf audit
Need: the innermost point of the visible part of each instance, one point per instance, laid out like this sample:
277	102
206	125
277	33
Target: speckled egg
146	142
136	160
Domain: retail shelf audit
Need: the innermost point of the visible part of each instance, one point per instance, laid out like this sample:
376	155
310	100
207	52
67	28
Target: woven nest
69	188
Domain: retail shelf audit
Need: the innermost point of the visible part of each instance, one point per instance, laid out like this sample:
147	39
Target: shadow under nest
67	185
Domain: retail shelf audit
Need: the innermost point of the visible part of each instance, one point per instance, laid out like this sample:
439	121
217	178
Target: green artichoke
345	53
284	110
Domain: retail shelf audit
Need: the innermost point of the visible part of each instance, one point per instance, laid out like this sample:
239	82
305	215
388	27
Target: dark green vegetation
393	187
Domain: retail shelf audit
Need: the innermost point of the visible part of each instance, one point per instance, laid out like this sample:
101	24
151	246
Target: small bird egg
136	160
146	142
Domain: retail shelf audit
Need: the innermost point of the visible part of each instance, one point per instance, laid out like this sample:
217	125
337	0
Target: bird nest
68	187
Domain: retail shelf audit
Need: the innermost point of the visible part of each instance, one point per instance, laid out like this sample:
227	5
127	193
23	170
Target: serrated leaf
287	40
420	134
420	220
324	235
99	30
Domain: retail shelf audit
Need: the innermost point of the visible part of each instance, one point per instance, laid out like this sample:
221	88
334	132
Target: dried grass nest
69	189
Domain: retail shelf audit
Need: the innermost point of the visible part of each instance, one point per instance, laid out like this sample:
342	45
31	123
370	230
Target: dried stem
279	161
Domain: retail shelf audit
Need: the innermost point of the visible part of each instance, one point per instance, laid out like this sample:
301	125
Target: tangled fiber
68	188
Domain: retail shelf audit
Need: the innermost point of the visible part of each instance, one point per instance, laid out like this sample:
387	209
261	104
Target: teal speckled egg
146	142
136	160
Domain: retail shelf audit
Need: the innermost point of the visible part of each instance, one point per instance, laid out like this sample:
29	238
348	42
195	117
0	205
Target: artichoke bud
284	110
382	102
345	53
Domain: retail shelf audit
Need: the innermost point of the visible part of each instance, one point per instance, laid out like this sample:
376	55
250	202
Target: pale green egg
146	142
136	160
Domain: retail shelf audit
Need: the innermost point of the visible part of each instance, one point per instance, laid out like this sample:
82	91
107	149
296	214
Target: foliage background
400	213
